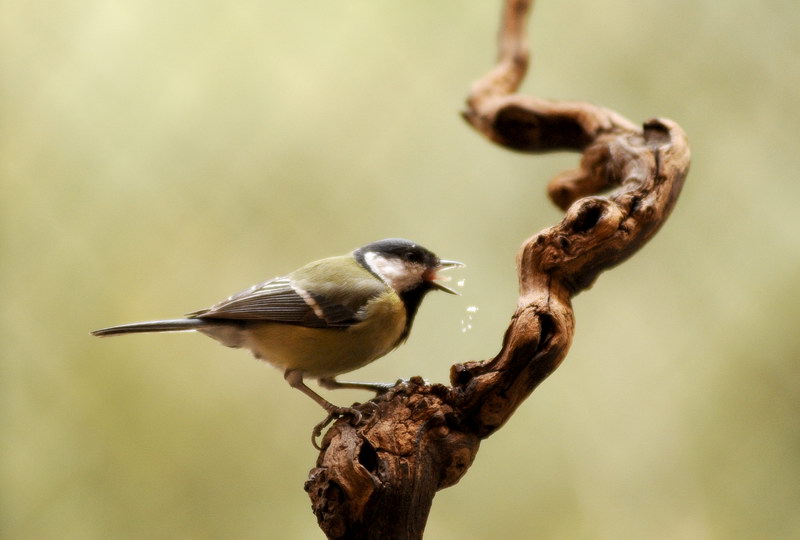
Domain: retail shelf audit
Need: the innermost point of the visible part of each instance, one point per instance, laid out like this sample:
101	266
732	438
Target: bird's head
404	265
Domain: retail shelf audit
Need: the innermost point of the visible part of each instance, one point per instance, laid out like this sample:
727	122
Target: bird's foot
333	414
406	382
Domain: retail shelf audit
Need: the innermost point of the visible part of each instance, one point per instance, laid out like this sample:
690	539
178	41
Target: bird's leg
332	384
295	379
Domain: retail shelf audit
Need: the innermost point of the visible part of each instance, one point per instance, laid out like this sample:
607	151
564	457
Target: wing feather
280	300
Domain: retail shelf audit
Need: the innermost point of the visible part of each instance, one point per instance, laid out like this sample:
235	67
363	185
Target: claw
333	414
355	413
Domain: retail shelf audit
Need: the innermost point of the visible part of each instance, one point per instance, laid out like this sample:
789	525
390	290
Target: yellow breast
323	352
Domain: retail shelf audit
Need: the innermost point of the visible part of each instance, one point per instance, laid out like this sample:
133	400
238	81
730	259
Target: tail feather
173	325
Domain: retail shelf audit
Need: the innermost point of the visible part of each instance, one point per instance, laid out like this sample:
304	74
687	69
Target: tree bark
378	479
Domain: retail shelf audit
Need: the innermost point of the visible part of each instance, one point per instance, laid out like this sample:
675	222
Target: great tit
326	318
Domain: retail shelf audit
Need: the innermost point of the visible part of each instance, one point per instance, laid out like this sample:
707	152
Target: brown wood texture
378	479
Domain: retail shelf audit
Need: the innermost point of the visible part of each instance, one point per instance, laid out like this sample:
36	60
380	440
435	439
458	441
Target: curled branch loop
378	479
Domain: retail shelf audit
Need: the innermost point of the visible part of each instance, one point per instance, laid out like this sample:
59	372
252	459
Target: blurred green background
158	156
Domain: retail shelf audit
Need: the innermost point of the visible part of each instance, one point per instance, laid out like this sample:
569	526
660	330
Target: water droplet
467	324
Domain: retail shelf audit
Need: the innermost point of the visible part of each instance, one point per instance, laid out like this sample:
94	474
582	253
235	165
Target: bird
326	318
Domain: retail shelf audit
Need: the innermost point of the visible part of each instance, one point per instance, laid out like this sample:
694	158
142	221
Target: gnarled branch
377	480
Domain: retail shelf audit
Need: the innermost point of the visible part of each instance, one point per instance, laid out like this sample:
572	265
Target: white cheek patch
398	274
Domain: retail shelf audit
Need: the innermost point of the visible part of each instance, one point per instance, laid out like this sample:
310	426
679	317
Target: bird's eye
412	256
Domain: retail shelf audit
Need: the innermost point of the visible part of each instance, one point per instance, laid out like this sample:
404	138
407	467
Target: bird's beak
444	265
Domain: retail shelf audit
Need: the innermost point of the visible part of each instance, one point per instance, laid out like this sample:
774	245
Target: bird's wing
285	300
280	300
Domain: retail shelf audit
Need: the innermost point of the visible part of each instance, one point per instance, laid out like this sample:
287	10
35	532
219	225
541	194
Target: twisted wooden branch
377	480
